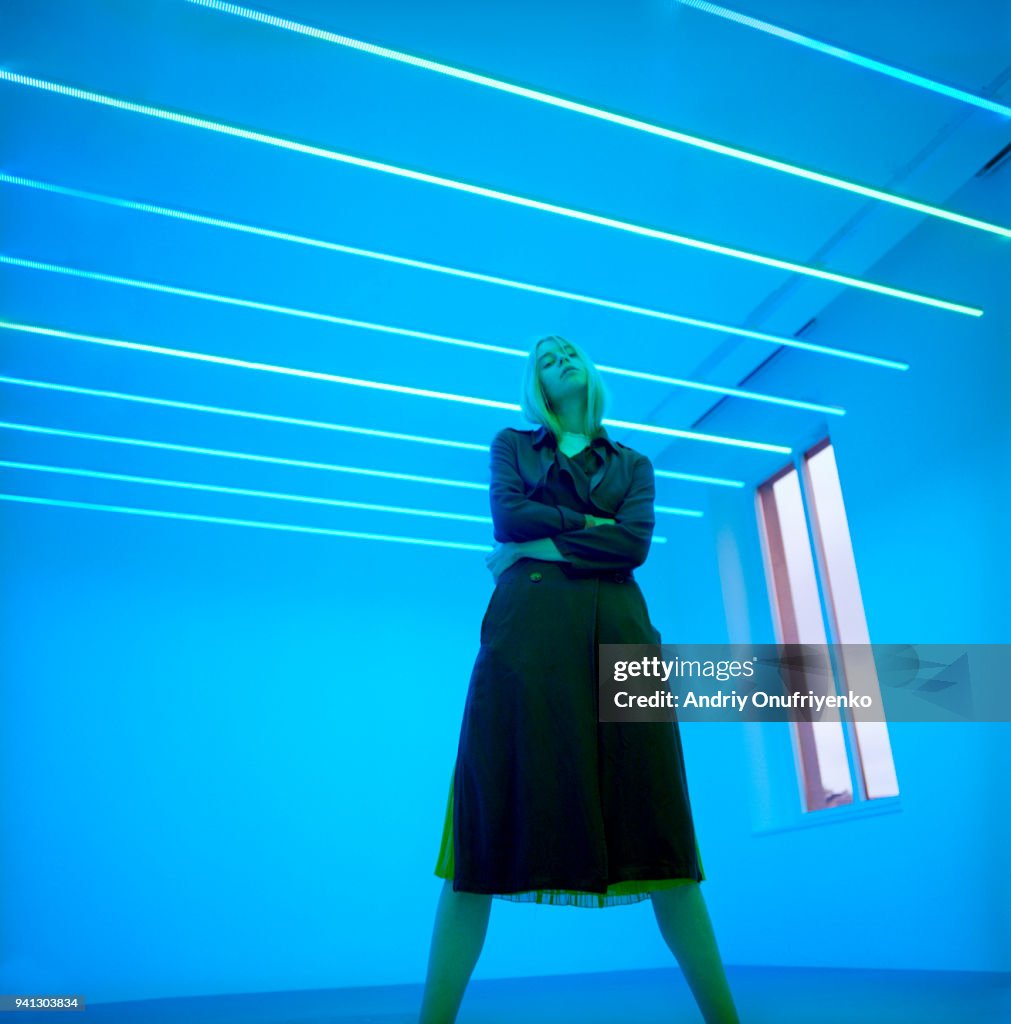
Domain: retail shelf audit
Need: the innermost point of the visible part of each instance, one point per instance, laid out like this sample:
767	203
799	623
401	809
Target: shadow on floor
764	995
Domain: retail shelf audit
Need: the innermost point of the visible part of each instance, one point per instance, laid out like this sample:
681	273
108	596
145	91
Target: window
816	600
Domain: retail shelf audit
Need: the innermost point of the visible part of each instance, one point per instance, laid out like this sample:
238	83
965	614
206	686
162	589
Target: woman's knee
674	893
463	897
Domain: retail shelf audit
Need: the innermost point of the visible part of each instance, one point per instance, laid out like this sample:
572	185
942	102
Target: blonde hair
534	402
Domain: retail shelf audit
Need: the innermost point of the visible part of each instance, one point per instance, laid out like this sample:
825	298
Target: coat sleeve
625	544
517	517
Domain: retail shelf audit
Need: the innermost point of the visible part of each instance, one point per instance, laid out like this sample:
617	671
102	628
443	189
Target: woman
546	803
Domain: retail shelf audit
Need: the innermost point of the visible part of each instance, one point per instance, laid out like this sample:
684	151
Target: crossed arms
577	538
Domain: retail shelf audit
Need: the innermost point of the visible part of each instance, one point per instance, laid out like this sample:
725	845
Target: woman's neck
571	416
572	444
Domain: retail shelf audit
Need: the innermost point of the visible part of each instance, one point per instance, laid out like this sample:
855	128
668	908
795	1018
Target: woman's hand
502	557
597	520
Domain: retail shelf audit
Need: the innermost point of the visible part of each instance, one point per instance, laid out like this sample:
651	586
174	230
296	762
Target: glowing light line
248	493
377	385
217	222
245	492
479	190
632	122
691	477
655	378
354	534
891	70
221	410
273	460
273	418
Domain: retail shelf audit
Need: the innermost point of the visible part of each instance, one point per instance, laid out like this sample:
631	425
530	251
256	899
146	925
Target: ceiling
660	62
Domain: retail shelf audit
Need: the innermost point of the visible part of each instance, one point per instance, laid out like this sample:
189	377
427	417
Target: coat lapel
544	444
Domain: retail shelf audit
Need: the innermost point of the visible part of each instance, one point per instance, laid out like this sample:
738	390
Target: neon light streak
245	492
631	122
266	417
852	58
689	435
99	475
686	321
188	293
354	534
488	193
270	459
271	418
378	385
244	363
691	477
754	396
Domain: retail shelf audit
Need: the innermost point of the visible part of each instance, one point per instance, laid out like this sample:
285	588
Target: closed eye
548	360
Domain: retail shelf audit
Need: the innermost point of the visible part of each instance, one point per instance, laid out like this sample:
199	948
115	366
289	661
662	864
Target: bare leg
461	923
684	923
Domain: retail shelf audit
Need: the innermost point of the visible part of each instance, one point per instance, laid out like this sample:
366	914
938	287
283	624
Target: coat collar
544	436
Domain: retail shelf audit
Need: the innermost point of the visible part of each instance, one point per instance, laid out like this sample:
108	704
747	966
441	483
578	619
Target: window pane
847	611
820	746
808	626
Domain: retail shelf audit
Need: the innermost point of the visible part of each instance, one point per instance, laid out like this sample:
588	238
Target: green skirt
617	894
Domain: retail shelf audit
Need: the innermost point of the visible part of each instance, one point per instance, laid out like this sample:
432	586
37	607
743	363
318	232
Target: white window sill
834	815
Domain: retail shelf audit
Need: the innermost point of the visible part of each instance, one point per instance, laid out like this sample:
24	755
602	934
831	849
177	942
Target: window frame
782	806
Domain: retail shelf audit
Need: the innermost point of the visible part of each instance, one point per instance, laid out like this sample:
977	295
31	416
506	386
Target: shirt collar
543	435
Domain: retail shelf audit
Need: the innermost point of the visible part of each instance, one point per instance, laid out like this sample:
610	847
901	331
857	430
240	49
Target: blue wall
923	460
226	750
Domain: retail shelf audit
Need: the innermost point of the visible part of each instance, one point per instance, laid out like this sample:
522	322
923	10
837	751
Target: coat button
619	577
536	577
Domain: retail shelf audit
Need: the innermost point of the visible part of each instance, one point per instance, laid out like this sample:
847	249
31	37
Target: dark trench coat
547	804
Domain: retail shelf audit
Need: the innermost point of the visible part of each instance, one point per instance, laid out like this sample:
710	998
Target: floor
764	996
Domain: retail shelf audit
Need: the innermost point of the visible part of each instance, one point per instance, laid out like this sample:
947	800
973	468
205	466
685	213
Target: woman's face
561	371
